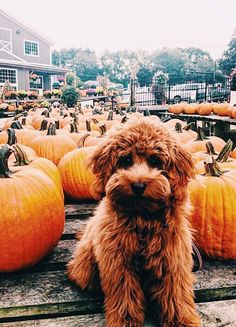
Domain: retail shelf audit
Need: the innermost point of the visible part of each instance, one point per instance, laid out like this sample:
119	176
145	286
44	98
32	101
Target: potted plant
10	95
22	94
47	94
158	86
69	96
32	95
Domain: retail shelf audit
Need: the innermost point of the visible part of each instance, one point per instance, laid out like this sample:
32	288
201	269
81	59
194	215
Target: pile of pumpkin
42	156
203	109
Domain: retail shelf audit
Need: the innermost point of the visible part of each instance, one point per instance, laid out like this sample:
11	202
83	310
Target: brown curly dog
138	243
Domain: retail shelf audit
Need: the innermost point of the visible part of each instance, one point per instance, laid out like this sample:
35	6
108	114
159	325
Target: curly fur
138	246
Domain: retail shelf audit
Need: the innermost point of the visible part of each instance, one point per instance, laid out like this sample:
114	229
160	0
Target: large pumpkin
31	217
52	146
76	177
213	197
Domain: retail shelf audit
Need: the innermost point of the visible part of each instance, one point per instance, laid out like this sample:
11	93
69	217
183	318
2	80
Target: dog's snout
138	188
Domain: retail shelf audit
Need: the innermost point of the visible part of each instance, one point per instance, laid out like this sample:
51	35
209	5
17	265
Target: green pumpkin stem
223	156
178	128
12	139
210	149
51	129
212	168
20	156
5	152
200	134
16	125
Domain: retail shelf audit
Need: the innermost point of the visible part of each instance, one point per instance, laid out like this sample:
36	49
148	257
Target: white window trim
30	55
7	29
13	84
33	88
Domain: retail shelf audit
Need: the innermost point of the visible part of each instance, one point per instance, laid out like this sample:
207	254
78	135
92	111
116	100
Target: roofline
32	30
12	54
34	66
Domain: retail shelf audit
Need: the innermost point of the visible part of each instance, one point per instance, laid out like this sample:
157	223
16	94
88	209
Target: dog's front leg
124	298
172	289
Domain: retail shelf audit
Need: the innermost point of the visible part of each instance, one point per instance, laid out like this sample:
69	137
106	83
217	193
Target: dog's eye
155	162
125	161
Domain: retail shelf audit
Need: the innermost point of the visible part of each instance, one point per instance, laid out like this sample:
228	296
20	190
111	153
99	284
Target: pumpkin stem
5	152
200	134
146	112
23	122
102	129
11	136
16	125
210	149
110	115
73	128
95	120
20	156
18	116
178	128
211	167
51	129
57	123
44	125
124	120
81	142
188	126
88	126
223	156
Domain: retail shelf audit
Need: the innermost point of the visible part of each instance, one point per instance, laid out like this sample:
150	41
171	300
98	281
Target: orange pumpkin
213	197
52	146
76	177
32	215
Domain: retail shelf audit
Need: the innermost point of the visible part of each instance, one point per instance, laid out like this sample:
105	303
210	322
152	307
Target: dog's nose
138	188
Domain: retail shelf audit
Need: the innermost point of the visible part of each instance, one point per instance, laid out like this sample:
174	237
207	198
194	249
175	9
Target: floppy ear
102	163
181	170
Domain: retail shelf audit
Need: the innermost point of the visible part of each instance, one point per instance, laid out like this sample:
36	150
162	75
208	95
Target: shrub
69	96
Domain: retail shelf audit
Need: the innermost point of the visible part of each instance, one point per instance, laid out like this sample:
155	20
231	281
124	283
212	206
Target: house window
36	84
7	75
31	48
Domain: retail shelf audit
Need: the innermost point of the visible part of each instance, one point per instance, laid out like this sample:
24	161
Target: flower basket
22	94
47	94
32	95
10	95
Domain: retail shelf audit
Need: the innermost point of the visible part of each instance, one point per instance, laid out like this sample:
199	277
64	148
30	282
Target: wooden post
133	83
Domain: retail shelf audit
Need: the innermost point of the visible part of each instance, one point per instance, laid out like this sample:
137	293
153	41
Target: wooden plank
50	289
213	314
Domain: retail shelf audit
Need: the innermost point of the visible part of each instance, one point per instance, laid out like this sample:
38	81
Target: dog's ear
102	163
181	170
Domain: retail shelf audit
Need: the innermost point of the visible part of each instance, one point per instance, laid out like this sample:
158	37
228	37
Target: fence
197	89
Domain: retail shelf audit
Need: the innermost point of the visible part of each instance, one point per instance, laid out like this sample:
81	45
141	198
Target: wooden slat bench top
43	295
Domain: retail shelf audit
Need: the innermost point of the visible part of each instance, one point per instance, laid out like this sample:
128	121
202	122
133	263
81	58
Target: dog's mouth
140	206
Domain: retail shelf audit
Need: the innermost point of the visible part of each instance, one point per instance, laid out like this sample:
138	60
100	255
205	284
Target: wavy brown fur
139	246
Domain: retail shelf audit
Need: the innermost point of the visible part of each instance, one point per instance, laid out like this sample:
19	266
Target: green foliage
228	60
69	96
70	78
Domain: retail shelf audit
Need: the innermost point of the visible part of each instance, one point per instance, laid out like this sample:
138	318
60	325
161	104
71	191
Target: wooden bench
43	295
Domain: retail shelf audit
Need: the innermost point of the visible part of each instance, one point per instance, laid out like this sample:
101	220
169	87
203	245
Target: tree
228	60
144	76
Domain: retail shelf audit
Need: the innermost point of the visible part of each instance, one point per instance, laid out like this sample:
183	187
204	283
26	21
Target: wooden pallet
43	295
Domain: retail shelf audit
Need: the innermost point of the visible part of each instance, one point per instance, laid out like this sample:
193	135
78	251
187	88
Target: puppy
138	243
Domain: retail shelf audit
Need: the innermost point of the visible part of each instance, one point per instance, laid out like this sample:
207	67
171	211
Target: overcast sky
130	24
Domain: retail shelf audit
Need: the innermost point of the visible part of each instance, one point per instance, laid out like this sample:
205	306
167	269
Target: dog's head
141	168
